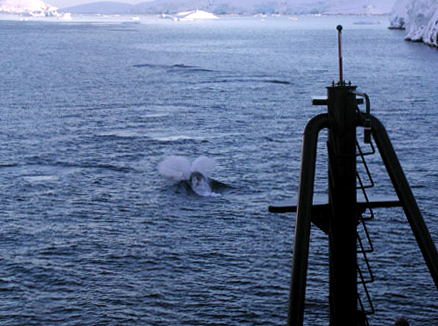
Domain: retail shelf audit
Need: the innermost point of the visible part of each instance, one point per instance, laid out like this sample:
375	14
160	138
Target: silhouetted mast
340	216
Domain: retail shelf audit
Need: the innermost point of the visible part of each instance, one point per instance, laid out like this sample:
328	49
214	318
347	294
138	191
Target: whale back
199	184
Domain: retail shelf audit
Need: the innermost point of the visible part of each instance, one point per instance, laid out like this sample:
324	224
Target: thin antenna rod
341	77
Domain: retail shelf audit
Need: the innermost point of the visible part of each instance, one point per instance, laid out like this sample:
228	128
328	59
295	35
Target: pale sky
71	3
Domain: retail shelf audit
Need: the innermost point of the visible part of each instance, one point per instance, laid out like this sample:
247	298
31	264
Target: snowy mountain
419	18
245	7
27	7
269	7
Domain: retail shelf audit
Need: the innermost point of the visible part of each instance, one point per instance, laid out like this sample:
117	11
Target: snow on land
252	7
190	15
242	7
419	18
30	7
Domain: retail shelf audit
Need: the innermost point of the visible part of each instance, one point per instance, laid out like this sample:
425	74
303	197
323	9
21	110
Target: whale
200	184
196	175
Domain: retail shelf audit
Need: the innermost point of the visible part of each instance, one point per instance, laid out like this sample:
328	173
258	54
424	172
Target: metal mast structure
341	215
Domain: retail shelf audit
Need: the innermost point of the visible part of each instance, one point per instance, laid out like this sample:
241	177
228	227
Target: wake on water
197	174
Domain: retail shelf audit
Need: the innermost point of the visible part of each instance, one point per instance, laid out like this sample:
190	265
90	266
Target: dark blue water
91	234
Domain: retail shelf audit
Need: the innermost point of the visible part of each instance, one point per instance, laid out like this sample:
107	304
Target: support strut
303	219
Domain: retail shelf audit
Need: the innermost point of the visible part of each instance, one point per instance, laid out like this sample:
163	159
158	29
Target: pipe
406	197
303	219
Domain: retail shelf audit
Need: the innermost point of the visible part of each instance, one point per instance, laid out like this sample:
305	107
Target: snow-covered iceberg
190	15
27	7
430	35
419	18
399	14
422	21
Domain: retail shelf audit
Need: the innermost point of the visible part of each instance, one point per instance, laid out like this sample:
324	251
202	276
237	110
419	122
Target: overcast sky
71	3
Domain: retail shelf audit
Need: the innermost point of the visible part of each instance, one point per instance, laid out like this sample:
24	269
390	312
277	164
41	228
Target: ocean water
92	234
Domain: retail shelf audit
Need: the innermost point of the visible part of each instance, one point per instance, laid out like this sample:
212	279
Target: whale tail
200	184
176	168
203	165
196	174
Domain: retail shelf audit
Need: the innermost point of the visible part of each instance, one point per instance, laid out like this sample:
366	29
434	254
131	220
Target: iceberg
422	19
431	31
64	16
190	15
419	18
399	15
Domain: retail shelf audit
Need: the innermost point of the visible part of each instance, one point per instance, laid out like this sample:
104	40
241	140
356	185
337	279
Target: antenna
341	77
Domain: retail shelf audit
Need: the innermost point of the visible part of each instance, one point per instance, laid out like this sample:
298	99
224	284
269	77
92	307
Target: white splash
197	174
